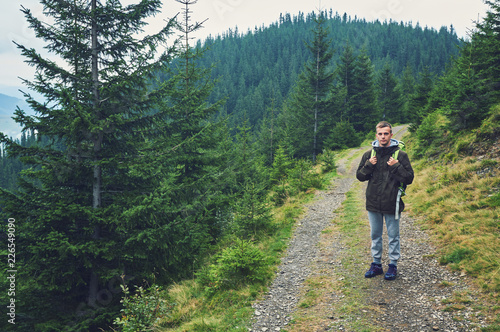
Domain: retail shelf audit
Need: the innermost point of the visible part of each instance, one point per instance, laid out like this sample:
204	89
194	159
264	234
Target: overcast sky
225	14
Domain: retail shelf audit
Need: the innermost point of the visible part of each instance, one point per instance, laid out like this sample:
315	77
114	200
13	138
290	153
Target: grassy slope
457	199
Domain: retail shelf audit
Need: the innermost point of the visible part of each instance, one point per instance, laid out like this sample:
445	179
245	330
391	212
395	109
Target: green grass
458	207
456	198
352	224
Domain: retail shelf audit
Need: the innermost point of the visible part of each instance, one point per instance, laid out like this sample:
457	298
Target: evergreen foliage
234	266
487	53
463	97
262	65
11	167
407	87
417	107
309	101
363	112
120	186
390	101
343	136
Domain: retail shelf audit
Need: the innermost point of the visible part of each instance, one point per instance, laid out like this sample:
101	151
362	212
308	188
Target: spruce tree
417	109
177	219
345	89
363	113
310	99
97	116
407	87
389	96
487	42
266	139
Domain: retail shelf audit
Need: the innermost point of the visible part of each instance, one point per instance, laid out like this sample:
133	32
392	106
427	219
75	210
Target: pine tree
363	113
267	135
487	42
407	87
184	160
97	116
418	102
345	90
389	96
343	136
310	98
355	90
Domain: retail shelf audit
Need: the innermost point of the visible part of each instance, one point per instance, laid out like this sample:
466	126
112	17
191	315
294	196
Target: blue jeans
377	227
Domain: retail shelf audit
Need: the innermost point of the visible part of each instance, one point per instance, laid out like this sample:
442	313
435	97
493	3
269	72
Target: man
384	174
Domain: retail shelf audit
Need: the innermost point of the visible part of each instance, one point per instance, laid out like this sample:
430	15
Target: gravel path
424	297
273	313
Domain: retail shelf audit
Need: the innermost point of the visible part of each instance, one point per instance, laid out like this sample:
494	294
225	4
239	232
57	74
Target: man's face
384	136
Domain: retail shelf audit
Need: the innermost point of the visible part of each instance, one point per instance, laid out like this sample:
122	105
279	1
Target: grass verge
459	204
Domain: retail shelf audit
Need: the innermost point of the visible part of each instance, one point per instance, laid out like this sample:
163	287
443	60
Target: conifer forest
148	154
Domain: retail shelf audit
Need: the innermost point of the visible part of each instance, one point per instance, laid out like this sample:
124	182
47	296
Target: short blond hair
384	124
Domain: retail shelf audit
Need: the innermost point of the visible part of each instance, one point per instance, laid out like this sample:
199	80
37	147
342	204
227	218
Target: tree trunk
316	98
97	181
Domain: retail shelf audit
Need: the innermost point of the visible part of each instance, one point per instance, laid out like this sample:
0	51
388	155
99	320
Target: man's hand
373	160
392	161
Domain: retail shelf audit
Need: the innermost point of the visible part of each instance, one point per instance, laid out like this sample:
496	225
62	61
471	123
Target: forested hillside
133	173
259	68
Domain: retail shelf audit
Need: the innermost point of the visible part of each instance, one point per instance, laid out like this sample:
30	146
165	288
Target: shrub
253	213
141	310
431	134
240	264
281	165
303	178
281	192
490	127
327	161
342	136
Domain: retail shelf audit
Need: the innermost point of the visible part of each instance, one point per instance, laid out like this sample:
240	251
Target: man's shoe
391	273
375	270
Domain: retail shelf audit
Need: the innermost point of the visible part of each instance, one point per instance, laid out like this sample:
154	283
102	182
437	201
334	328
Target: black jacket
383	180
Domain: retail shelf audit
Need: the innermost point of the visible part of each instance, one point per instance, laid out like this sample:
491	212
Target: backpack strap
396	154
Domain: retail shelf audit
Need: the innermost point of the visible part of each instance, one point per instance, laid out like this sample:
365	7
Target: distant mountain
8	105
259	68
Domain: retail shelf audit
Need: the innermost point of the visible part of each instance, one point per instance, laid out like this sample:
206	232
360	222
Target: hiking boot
391	273
375	270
